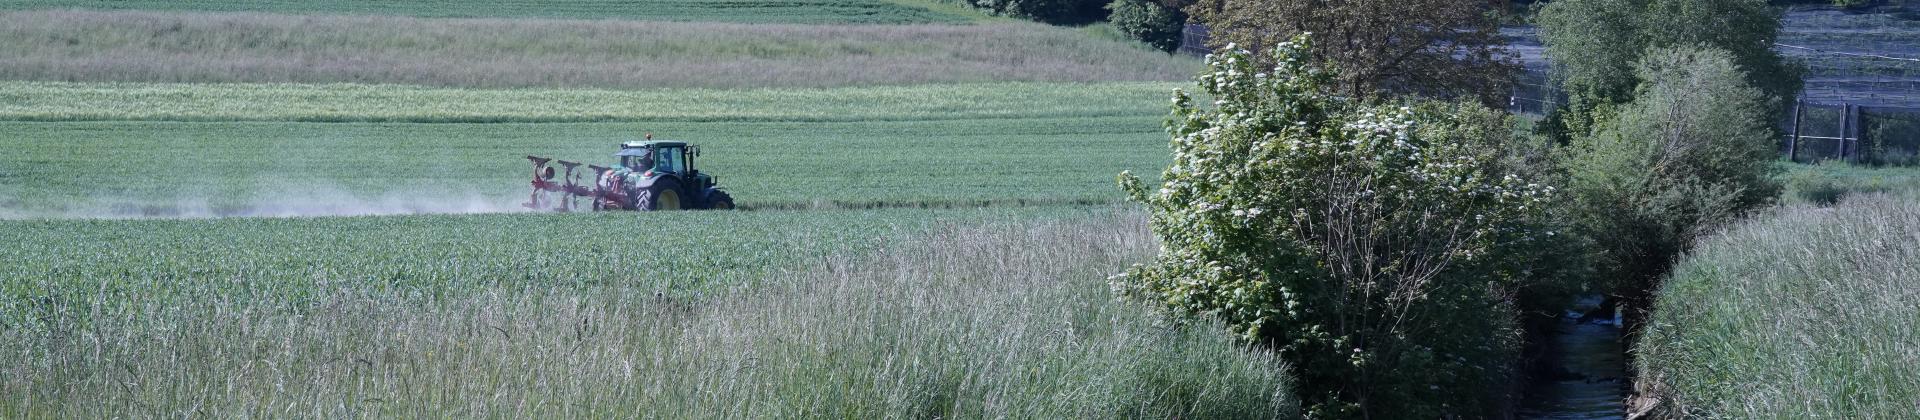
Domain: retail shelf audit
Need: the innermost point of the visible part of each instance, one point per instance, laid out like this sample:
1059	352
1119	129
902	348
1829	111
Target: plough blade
559	190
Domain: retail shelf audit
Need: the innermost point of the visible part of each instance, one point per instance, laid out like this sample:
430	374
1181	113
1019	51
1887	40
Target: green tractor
652	175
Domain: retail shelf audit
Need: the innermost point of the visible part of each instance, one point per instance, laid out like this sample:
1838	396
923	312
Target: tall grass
996	321
1804	313
62	101
1830	181
71	45
785	11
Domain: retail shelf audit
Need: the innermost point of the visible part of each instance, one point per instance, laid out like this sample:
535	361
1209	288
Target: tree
1691	152
1438	48
1359	240
1594	43
1153	23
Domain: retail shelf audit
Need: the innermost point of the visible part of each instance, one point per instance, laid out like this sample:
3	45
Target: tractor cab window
670	159
640	162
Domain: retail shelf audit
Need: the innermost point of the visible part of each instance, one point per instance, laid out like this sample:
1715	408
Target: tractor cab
657	157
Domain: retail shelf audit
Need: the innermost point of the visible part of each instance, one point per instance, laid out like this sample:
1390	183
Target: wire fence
1860	102
1853	133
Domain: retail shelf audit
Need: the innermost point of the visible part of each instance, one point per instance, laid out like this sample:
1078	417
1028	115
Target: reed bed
1807	312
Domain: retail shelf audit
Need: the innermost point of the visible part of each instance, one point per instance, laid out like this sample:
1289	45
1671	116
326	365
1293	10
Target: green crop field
785	11
162	168
841	147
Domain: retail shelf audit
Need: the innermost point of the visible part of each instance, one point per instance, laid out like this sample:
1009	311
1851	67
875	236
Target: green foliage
1362	241
1594	43
754	11
1385	48
1803	312
1691	152
1049	11
1148	22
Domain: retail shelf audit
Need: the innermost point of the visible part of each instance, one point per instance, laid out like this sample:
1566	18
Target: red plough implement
564	193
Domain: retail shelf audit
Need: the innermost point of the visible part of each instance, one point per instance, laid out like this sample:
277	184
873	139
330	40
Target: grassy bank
1805	312
784	11
1008	320
252	47
57	101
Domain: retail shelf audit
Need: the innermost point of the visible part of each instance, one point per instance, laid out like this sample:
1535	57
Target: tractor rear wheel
719	200
664	194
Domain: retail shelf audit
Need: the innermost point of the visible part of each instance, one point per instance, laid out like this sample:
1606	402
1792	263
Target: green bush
1594	44
1691	152
1148	22
1362	241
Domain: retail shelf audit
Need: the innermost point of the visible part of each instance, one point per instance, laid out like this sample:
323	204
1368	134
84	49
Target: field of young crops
786	11
238	154
163	168
422	257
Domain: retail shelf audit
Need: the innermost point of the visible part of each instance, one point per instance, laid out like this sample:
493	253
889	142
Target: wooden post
1793	143
1840	146
1853	123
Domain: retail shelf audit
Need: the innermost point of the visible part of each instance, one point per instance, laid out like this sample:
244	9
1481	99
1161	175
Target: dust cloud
304	201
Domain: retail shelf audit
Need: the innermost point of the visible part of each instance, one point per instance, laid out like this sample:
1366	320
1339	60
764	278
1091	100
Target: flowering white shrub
1360	240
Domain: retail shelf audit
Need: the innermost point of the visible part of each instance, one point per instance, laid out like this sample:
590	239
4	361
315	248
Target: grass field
251	47
758	11
41	101
247	149
200	169
747	314
1803	313
1829	182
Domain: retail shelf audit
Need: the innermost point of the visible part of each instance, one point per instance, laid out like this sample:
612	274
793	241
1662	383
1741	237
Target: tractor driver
642	162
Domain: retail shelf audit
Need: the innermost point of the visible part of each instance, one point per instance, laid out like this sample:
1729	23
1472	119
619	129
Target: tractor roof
652	143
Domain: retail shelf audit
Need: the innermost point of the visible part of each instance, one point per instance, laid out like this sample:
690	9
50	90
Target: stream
1588	378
